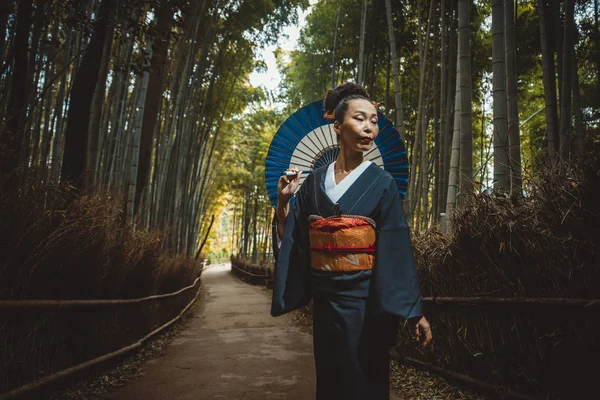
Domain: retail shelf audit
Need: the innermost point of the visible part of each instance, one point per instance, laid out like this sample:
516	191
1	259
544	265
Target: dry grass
267	270
57	245
545	245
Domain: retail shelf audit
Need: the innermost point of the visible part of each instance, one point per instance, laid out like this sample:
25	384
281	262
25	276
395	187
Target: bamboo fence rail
4	304
58	323
513	301
464	379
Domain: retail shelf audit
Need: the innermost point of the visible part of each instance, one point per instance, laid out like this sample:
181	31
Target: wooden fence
47	342
522	348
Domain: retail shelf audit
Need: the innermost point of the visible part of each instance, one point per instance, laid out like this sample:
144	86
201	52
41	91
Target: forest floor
228	346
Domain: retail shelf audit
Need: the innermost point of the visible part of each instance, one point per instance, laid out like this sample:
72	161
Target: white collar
336	191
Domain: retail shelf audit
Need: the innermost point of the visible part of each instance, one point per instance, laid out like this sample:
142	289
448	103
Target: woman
345	244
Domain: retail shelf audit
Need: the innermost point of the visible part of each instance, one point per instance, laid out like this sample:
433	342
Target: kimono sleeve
291	286
395	285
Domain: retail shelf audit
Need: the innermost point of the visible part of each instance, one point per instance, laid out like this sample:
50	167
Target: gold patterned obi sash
342	244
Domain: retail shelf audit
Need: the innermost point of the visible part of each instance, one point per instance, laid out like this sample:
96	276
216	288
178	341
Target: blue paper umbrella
306	140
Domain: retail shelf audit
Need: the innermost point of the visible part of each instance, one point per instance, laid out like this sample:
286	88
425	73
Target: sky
271	78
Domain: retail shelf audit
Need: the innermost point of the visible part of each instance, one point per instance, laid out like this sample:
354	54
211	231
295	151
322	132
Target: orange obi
342	244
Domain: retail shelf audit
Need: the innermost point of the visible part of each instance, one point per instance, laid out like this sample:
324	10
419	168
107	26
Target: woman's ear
336	127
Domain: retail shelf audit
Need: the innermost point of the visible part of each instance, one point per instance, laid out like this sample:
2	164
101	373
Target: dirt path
232	349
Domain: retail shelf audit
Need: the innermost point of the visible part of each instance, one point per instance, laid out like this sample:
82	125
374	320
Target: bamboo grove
478	89
149	101
131	98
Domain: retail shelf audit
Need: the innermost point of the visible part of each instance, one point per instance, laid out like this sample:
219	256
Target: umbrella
306	140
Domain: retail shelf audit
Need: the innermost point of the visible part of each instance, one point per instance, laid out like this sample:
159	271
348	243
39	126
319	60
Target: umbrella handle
293	173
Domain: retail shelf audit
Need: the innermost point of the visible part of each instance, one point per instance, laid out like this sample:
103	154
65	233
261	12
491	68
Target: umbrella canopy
306	140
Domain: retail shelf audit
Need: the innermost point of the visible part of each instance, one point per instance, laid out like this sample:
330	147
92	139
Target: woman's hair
337	99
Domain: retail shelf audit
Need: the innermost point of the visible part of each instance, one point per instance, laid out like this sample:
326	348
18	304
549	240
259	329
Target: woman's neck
348	160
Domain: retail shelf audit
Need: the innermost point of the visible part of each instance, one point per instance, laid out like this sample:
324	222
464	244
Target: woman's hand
287	186
422	331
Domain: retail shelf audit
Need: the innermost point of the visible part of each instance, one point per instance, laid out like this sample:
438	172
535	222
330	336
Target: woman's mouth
366	140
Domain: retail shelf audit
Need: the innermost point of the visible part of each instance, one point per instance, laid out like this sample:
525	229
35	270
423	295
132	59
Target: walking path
232	349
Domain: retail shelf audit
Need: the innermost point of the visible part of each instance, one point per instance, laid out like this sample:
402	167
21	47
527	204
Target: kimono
355	314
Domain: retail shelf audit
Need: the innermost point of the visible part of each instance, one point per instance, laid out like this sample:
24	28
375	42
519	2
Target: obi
342	244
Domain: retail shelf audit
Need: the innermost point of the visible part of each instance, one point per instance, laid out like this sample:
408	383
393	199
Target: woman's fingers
428	336
283	182
423	325
426	331
292	178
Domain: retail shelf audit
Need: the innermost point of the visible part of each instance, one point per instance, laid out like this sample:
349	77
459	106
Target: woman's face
359	129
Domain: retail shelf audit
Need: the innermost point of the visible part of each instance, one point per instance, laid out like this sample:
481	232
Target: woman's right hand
287	186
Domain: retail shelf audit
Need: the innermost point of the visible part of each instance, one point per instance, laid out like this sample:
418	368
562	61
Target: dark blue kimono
355	315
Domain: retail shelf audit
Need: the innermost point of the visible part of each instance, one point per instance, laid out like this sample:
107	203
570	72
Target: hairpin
330	115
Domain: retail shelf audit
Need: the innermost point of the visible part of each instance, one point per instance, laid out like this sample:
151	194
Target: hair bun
335	95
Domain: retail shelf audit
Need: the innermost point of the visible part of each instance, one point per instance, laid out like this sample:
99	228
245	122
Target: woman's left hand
422	331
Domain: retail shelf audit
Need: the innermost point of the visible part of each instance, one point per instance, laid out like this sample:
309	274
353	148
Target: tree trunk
48	120
373	46
361	52
76	135
96	110
437	139
512	114
199	251
335	35
454	156
450	101
466	126
160	48
32	130
136	132
579	130
396	73
57	143
558	39
549	83
421	128
5	9
113	157
123	172
567	79
36	111
440	174
12	138
255	228
597	46
501	164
